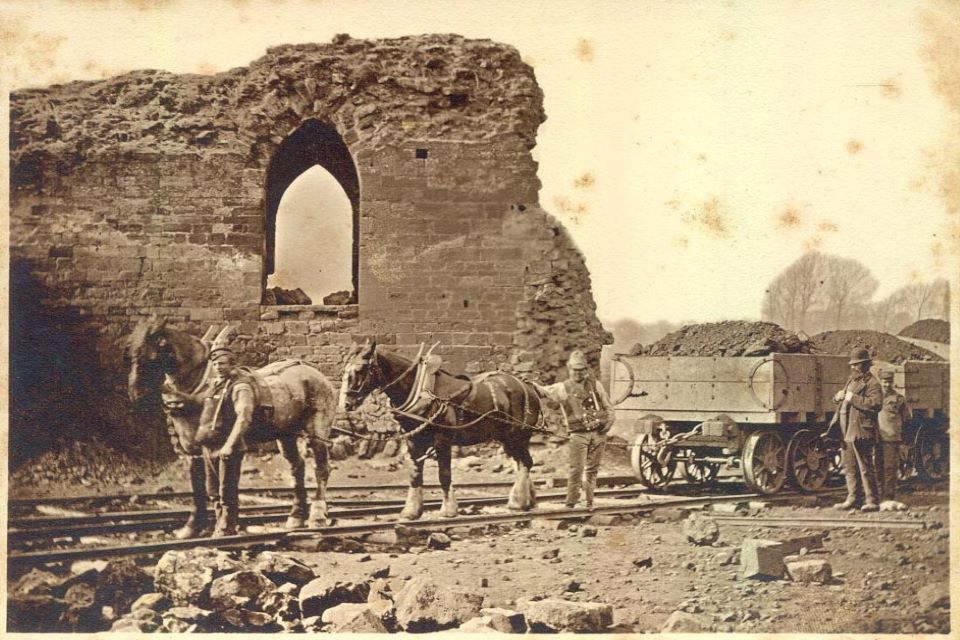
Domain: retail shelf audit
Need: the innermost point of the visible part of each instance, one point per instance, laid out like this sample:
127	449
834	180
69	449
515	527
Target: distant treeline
819	292
822	292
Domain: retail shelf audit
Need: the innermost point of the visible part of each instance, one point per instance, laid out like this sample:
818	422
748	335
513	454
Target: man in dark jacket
226	417
860	401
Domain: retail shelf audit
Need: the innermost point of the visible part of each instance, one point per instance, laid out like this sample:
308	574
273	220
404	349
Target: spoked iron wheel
808	460
700	472
932	454
653	467
765	461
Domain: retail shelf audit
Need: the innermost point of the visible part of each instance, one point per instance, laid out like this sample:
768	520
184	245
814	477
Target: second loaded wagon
765	415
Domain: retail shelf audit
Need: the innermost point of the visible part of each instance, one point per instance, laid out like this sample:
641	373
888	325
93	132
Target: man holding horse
230	401
588	414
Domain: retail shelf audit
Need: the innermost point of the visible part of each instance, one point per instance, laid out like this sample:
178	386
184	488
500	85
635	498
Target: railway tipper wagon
767	416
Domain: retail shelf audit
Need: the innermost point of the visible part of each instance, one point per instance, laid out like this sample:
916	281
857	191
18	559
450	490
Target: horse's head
360	376
151	356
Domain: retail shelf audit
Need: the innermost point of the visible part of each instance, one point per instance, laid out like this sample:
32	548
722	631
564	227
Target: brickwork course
154	193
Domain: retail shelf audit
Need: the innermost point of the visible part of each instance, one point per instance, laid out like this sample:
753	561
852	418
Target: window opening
313	242
307	244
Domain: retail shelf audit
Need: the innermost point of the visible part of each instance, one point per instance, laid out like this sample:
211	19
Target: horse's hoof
223	533
191	529
409	515
316	523
293	522
449	513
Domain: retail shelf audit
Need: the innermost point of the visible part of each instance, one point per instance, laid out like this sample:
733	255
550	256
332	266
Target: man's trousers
585	449
888	468
857	458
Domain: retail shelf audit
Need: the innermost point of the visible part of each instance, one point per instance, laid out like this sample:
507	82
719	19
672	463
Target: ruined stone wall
147	194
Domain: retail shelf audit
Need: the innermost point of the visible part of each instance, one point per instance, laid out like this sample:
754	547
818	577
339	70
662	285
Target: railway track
94	499
23	560
51	527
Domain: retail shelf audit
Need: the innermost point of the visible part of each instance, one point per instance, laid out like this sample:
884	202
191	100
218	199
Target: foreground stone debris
701	530
683	622
562	615
810	570
763	558
423	606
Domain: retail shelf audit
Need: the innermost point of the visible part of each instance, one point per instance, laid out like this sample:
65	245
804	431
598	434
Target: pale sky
693	149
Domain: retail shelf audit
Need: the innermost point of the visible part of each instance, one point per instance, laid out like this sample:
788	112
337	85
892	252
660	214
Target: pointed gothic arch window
312	217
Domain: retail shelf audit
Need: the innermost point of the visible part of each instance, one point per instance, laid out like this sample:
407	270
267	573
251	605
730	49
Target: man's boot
588	488
197	521
849	503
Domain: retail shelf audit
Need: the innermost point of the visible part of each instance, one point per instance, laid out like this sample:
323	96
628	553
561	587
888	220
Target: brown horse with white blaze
302	401
438	410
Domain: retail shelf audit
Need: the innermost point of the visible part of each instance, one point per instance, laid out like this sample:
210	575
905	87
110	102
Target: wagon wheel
700	472
765	461
808	460
628	388
834	461
653	467
932	448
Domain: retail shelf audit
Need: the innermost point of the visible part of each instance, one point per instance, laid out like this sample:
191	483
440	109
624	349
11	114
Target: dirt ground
643	566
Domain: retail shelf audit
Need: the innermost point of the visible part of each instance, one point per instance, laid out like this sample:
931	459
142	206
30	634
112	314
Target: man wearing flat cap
859	402
588	414
894	413
229	404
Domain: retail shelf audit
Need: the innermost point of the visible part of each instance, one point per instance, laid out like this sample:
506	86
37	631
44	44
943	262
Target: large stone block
815	570
324	592
353	618
761	558
553	614
423	606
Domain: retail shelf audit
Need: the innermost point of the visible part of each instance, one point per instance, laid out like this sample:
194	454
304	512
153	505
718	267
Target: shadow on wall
60	389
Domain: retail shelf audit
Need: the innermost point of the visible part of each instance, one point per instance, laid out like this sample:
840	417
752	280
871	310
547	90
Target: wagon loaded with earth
767	416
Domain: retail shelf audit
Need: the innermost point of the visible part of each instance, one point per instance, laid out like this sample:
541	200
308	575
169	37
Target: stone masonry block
761	558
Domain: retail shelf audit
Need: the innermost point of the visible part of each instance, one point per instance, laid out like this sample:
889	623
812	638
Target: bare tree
848	285
884	311
927	299
796	292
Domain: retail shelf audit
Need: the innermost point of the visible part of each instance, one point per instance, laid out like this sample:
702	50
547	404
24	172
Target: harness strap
416	388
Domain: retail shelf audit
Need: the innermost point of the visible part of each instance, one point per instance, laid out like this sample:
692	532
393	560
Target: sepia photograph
478	317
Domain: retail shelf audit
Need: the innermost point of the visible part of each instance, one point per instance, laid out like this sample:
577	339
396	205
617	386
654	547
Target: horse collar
423	384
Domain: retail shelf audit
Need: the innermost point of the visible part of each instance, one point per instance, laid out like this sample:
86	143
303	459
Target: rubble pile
84	463
729	338
882	346
279	295
210	590
932	330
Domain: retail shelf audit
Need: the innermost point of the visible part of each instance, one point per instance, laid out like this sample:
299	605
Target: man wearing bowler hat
859	402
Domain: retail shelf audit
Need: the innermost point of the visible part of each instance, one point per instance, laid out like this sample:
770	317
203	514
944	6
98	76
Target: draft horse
302	401
437	410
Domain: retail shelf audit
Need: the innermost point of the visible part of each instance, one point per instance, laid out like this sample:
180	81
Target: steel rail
740	521
31	558
158	520
59	500
106	518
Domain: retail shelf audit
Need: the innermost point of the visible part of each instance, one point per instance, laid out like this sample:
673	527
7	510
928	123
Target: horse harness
425	406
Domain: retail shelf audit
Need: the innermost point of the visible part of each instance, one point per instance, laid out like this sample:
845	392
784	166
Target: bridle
373	372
